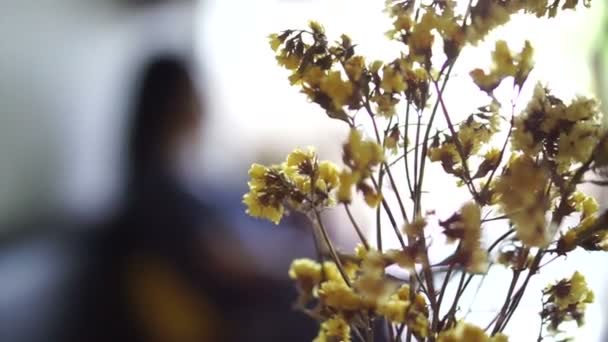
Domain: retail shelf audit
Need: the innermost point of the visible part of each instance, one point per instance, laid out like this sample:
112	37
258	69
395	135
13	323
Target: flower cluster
566	301
365	290
487	15
289	184
361	157
526	185
592	231
466	227
474	133
505	65
520	193
334	329
563	134
465	332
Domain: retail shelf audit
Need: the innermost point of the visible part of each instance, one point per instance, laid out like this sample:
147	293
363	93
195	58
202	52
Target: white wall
66	69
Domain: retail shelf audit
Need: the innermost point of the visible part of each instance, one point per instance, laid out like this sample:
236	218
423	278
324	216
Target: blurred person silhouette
166	267
150	273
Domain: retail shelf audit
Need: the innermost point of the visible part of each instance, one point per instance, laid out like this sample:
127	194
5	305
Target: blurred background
76	79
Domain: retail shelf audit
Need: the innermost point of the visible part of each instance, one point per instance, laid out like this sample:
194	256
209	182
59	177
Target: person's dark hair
164	103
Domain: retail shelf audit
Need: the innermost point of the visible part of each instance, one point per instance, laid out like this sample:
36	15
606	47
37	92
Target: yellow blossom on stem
505	64
313	76
339	296
336	88
375	66
347	181
520	193
362	155
266	194
306	272
289	61
466	332
385	104
328	177
571	291
274	41
421	40
371	197
334	329
354	67
316	27
392	80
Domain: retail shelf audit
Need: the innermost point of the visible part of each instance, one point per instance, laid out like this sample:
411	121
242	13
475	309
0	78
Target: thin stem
394	186
427	133
451	313
421	144
379	210
503	311
332	250
497	218
391	218
400	331
417	185
459	148
405	140
444	286
356	226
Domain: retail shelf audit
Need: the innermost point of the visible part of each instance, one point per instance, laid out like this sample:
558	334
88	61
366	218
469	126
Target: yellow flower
306	272
587	205
590	206
520	194
328	177
567	242
581	109
446	152
361	251
299	167
332	273
313	76
256	208
503	60
485	82
386	104
289	61
571	291
375	66
372	198
493	156
362	155
421	40
354	67
465	332
345	190
334	329
274	41
525	65
392	80
399	309
316	27
337	89
339	296
578	143
485	17
505	64
266	194
392	143
394	310
476	258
